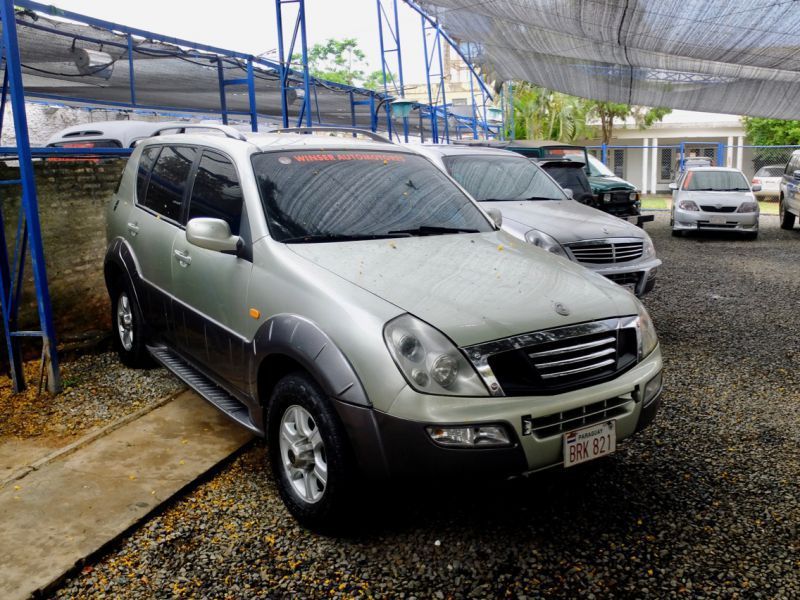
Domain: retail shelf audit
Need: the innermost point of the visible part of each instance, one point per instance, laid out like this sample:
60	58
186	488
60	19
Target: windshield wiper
432	230
342	237
532	198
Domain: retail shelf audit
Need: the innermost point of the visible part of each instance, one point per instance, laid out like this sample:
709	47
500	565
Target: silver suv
346	299
536	210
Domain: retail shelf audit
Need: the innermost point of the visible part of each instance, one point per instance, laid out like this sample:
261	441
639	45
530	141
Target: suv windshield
716	181
498	178
335	195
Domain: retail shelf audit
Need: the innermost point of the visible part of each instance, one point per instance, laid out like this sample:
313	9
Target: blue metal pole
29	199
512	131
720	155
428	60
223	101
441	83
400	65
251	95
383	67
283	67
683	155
472	97
301	16
603	154
131	76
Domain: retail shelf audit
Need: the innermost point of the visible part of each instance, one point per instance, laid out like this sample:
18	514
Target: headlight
544	241
747	207
648	340
606	197
429	361
688	205
648	249
633	196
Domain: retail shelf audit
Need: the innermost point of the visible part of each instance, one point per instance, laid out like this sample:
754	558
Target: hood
473	287
605	184
714	198
566	220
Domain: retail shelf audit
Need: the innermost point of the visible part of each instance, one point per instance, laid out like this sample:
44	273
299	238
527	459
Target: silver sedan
714	199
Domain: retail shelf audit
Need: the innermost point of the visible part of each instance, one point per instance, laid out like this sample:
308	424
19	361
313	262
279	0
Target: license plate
717	220
588	443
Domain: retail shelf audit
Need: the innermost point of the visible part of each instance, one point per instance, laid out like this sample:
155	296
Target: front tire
128	327
787	218
310	454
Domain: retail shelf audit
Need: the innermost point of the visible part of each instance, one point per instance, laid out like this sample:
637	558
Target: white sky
250	27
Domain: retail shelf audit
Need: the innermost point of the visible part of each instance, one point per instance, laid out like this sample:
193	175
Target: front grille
603	252
597	412
560	363
717	209
717	225
625	278
620	197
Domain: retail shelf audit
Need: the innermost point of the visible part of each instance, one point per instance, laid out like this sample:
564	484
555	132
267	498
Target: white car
769	178
714	199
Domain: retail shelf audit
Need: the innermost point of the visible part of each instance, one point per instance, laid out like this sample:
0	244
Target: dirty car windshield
348	194
716	181
499	178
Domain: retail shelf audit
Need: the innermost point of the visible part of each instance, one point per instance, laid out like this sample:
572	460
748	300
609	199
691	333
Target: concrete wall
72	201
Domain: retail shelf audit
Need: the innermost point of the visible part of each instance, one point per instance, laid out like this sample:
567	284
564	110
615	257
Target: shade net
730	56
167	76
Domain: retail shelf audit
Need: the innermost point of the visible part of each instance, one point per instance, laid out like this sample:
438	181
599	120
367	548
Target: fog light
474	436
652	389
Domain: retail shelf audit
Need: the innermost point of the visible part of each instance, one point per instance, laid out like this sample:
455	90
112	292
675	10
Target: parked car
769	178
536	210
350	302
790	192
570	175
612	194
689	162
714	198
117	134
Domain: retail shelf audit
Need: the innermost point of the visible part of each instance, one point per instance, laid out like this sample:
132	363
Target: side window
168	181
216	192
146	162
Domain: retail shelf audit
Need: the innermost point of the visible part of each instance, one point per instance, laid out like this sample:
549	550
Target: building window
618	161
666	165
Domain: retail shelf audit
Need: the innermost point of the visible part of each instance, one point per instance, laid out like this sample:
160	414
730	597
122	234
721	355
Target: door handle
133	228
183	258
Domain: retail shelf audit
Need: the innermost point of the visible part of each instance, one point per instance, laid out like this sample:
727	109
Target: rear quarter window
146	162
168	179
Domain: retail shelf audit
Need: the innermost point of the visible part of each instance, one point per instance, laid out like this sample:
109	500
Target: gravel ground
705	503
98	390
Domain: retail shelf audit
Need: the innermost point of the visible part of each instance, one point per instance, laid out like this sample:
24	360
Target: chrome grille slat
593	367
575	348
577	359
561	422
606	251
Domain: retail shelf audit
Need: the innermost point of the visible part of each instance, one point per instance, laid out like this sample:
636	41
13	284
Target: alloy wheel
303	454
125	321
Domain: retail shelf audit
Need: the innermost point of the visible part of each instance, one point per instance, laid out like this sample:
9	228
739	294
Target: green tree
341	61
771	132
607	112
540	113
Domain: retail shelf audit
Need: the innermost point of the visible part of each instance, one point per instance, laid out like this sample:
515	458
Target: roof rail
375	137
229	131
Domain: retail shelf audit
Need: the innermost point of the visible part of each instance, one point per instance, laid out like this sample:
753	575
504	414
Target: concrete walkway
68	509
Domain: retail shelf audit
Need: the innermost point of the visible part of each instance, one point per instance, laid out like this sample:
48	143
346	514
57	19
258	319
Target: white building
647	158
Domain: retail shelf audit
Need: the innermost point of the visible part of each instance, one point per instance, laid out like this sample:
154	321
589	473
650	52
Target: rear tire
310	454
787	218
128	327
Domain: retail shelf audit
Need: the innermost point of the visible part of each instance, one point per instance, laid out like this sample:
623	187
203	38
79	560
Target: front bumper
639	277
396	444
692	220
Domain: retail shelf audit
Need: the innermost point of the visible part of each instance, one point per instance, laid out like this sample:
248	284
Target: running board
201	384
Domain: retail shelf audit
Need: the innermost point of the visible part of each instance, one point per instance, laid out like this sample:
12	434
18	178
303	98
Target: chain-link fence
652	168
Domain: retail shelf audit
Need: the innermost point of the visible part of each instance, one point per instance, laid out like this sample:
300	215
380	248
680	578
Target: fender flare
120	254
305	342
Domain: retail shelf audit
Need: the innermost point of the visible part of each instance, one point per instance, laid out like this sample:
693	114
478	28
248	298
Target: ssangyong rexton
346	299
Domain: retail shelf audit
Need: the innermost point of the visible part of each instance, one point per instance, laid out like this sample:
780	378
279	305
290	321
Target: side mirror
570	194
212	234
756	187
796	174
496	216
673	185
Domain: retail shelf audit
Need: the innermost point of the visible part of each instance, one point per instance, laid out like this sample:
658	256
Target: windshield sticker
384	158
